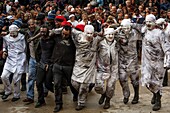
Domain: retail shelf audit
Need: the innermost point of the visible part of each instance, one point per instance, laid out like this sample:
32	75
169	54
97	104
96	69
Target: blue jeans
31	78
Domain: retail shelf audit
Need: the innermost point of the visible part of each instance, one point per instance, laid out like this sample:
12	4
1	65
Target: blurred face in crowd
78	10
110	5
126	16
147	10
154	12
120	6
120	15
22	8
72	19
114	10
38	22
140	8
85	18
58	23
69	8
128	3
47	9
150	4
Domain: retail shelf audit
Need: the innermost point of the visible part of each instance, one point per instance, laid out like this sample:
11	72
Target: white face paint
150	25
109	34
126	30
89	34
126	26
13	31
150	21
13	34
89	31
161	23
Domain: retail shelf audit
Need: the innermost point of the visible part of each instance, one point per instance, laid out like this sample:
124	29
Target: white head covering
13	28
126	23
126	26
89	29
160	21
109	34
150	17
108	31
71	15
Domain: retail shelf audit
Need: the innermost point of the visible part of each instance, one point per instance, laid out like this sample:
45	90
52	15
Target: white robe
84	70
154	47
16	50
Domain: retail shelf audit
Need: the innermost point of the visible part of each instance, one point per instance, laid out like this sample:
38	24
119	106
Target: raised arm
33	38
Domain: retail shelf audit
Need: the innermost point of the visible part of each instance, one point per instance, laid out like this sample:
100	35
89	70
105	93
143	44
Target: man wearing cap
50	19
15	51
58	20
72	20
40	19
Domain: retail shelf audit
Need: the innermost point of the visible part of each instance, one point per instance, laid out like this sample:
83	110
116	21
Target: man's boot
125	100
153	98
23	82
79	107
102	98
91	86
107	103
165	81
136	94
157	105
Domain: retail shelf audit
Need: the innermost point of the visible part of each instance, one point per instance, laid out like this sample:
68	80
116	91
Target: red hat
80	27
65	23
60	18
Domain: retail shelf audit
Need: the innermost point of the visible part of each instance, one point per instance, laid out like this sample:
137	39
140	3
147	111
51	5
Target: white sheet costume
165	27
128	61
154	47
84	71
15	62
107	67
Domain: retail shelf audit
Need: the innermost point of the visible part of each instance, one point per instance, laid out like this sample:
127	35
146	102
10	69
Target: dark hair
67	28
45	26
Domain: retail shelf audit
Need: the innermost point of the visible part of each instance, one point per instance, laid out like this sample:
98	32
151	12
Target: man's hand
46	67
4	55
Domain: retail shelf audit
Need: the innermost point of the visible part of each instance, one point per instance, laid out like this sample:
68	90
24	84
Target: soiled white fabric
84	70
150	17
154	47
107	67
89	29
